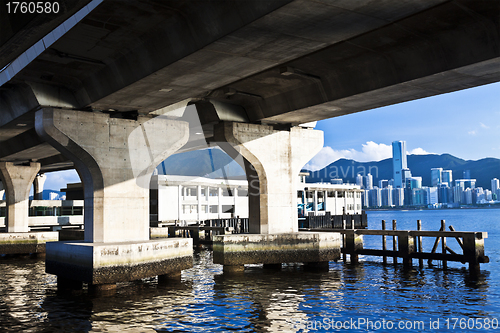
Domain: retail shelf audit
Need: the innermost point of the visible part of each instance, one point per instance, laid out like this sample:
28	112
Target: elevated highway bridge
83	88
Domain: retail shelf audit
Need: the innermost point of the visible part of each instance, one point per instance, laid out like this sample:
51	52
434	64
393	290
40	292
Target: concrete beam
449	47
17	180
276	156
115	159
20	29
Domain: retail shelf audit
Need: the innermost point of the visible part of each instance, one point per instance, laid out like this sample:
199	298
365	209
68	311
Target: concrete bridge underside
87	95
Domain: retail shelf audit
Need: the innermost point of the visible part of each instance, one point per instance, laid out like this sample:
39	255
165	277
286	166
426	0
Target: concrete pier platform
108	263
241	249
26	242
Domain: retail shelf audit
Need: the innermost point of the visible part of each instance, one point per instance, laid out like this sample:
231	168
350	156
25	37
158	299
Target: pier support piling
272	158
115	159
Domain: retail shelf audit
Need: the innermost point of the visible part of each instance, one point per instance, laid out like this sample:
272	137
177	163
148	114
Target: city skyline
444	192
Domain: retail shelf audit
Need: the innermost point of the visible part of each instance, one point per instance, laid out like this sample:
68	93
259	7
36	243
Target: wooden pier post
419	244
384	244
394	244
443	244
406	247
354	242
474	251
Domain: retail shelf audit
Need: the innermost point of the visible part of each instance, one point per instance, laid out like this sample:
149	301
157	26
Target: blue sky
465	124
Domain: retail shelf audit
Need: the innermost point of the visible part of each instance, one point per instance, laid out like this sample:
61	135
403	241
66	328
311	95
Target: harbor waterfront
364	297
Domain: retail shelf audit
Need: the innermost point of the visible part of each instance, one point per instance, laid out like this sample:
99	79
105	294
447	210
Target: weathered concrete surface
158	232
276	157
115	159
17	180
102	263
26	242
237	250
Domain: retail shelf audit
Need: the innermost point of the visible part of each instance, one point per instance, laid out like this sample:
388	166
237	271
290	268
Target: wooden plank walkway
407	244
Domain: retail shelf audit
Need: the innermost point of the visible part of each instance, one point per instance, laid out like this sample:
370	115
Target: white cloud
484	126
471	132
370	151
418	151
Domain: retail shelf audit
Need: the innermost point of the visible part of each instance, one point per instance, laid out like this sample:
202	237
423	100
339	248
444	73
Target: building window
242	192
203	191
213	191
227	192
340	194
228	208
213	209
331	194
190	209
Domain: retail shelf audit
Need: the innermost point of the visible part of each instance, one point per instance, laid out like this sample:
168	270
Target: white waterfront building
190	199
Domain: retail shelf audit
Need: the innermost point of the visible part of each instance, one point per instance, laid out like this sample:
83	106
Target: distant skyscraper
398	162
447	177
398	197
495	185
436	176
383	183
368	182
414	182
406	174
466	174
359	180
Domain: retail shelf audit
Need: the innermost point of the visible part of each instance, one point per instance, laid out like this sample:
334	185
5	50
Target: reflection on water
258	300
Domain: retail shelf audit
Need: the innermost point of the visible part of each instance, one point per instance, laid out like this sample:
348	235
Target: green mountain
420	165
212	162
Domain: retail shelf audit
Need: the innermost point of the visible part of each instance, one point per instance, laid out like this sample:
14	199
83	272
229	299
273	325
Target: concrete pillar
181	200
219	201
17	180
38	186
276	157
315	203
115	159
198	195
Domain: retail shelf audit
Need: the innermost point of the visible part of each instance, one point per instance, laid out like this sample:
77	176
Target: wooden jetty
203	232
407	244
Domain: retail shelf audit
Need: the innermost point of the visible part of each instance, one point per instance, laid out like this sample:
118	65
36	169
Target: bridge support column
38	186
115	159
273	159
17	180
